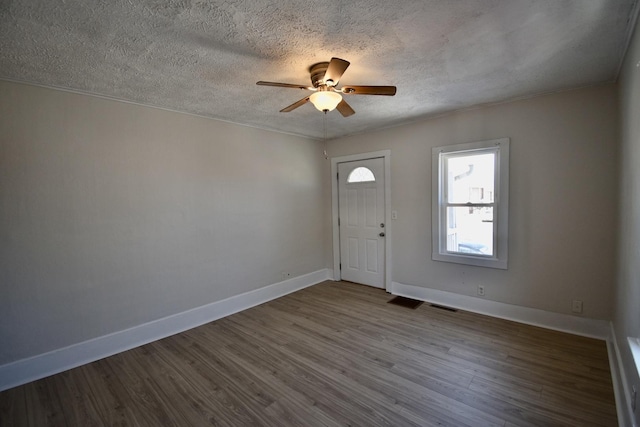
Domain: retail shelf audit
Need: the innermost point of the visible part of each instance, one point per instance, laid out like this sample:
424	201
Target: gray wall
626	318
113	214
563	199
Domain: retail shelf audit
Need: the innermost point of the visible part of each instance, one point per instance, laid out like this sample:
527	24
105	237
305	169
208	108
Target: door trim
386	155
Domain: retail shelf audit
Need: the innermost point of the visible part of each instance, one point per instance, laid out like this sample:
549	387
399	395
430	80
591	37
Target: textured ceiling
204	57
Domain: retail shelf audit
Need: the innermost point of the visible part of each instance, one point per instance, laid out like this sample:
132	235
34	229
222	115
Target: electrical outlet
286	275
576	307
481	290
633	398
394	214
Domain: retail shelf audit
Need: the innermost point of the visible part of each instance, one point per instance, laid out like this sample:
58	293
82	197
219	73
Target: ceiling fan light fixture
325	100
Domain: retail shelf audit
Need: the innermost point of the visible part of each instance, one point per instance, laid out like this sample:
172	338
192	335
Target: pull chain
324	125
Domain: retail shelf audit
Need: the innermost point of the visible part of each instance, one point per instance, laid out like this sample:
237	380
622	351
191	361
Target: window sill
471	260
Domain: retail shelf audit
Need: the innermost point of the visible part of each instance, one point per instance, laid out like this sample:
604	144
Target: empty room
290	213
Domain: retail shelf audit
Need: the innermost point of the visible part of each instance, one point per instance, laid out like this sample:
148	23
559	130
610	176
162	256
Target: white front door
361	221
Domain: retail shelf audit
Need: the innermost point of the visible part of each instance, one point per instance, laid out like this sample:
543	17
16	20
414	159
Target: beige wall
562	199
113	214
626	317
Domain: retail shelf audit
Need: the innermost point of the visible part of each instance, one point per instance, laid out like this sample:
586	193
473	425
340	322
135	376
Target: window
361	174
470	200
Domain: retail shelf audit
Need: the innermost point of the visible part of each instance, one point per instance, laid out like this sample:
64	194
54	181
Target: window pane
470	230
470	178
361	174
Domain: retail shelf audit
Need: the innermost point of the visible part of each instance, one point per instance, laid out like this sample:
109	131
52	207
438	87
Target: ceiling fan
326	97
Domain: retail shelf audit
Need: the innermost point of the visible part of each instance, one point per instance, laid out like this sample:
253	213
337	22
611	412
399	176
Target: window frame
499	259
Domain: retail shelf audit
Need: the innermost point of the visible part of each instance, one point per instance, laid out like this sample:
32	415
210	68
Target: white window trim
501	214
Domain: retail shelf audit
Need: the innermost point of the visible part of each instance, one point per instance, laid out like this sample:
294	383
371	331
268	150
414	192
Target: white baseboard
40	366
531	316
620	383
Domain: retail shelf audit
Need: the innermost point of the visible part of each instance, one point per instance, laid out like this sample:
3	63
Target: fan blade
336	69
369	90
345	109
261	83
295	105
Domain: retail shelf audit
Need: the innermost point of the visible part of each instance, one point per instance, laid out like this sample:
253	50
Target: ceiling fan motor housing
317	72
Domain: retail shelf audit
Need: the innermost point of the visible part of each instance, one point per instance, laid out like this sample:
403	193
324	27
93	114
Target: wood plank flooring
330	355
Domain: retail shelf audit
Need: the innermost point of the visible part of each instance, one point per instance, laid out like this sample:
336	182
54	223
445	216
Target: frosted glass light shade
325	100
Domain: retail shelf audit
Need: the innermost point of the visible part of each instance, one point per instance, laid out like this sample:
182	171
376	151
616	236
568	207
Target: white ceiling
204	57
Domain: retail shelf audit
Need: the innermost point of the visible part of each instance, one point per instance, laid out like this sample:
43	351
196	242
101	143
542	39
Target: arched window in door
361	174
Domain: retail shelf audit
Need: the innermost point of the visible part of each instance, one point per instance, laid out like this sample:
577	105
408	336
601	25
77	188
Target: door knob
381	234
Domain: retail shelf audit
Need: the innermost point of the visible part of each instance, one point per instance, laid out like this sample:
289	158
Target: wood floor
334	354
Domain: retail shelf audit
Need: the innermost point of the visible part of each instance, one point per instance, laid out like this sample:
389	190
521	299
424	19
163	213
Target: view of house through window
470	191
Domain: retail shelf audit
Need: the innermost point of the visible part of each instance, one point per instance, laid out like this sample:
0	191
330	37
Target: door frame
386	156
